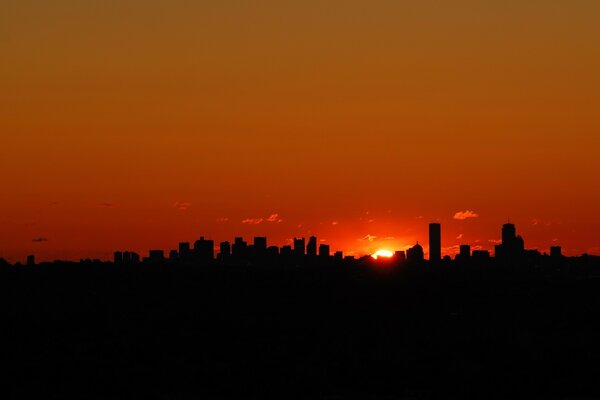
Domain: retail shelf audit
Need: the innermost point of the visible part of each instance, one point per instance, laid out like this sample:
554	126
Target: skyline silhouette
510	249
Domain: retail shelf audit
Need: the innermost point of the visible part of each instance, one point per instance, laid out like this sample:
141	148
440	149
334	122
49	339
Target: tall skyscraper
324	250
299	247
260	246
435	242
311	248
509	233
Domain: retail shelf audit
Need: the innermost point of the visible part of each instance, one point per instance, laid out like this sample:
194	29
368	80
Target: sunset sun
382	253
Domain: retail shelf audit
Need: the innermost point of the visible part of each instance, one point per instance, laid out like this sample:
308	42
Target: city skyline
509	248
137	124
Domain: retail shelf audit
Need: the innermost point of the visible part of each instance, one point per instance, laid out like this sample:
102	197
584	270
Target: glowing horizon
137	126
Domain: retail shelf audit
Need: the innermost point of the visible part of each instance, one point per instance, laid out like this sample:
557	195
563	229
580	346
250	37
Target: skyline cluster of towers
511	248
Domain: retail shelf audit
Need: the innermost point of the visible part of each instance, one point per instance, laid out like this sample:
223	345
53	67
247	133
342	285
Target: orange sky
136	125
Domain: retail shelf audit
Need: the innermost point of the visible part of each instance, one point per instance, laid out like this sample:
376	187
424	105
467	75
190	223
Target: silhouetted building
127	257
415	253
299	247
173	256
400	255
30	260
555	252
272	252
286	252
184	251
134	258
512	246
204	250
338	256
224	251
238	250
480	255
324	250
464	252
311	248
118	257
156	255
260	246
435	242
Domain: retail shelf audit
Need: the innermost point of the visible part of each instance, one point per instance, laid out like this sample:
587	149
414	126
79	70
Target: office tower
224	250
184	251
299	247
555	252
286	251
415	253
480	255
512	246
204	249
435	242
260	246
118	257
311	248
465	251
508	234
173	256
400	255
238	250
156	255
272	251
126	257
31	260
324	250
134	258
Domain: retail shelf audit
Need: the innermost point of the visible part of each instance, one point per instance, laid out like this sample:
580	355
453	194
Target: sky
129	125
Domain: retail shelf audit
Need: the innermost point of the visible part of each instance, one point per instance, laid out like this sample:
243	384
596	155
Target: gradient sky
135	125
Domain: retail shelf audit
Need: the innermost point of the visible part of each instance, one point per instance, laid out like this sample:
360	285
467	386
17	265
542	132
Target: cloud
222	219
459	236
334	223
39	240
462	215
274	218
252	221
495	241
370	238
182	205
535	221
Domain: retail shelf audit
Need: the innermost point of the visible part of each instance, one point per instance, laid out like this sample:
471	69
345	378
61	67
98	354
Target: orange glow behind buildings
136	126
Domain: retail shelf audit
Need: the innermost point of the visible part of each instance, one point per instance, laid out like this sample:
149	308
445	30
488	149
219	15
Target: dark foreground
107	332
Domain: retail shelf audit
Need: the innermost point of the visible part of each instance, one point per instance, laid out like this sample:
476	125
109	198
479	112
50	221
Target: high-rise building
512	246
118	257
156	255
31	260
400	255
260	246
299	247
238	250
311	247
435	242
204	249
184	251
415	253
224	250
465	251
509	233
555	252
324	250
